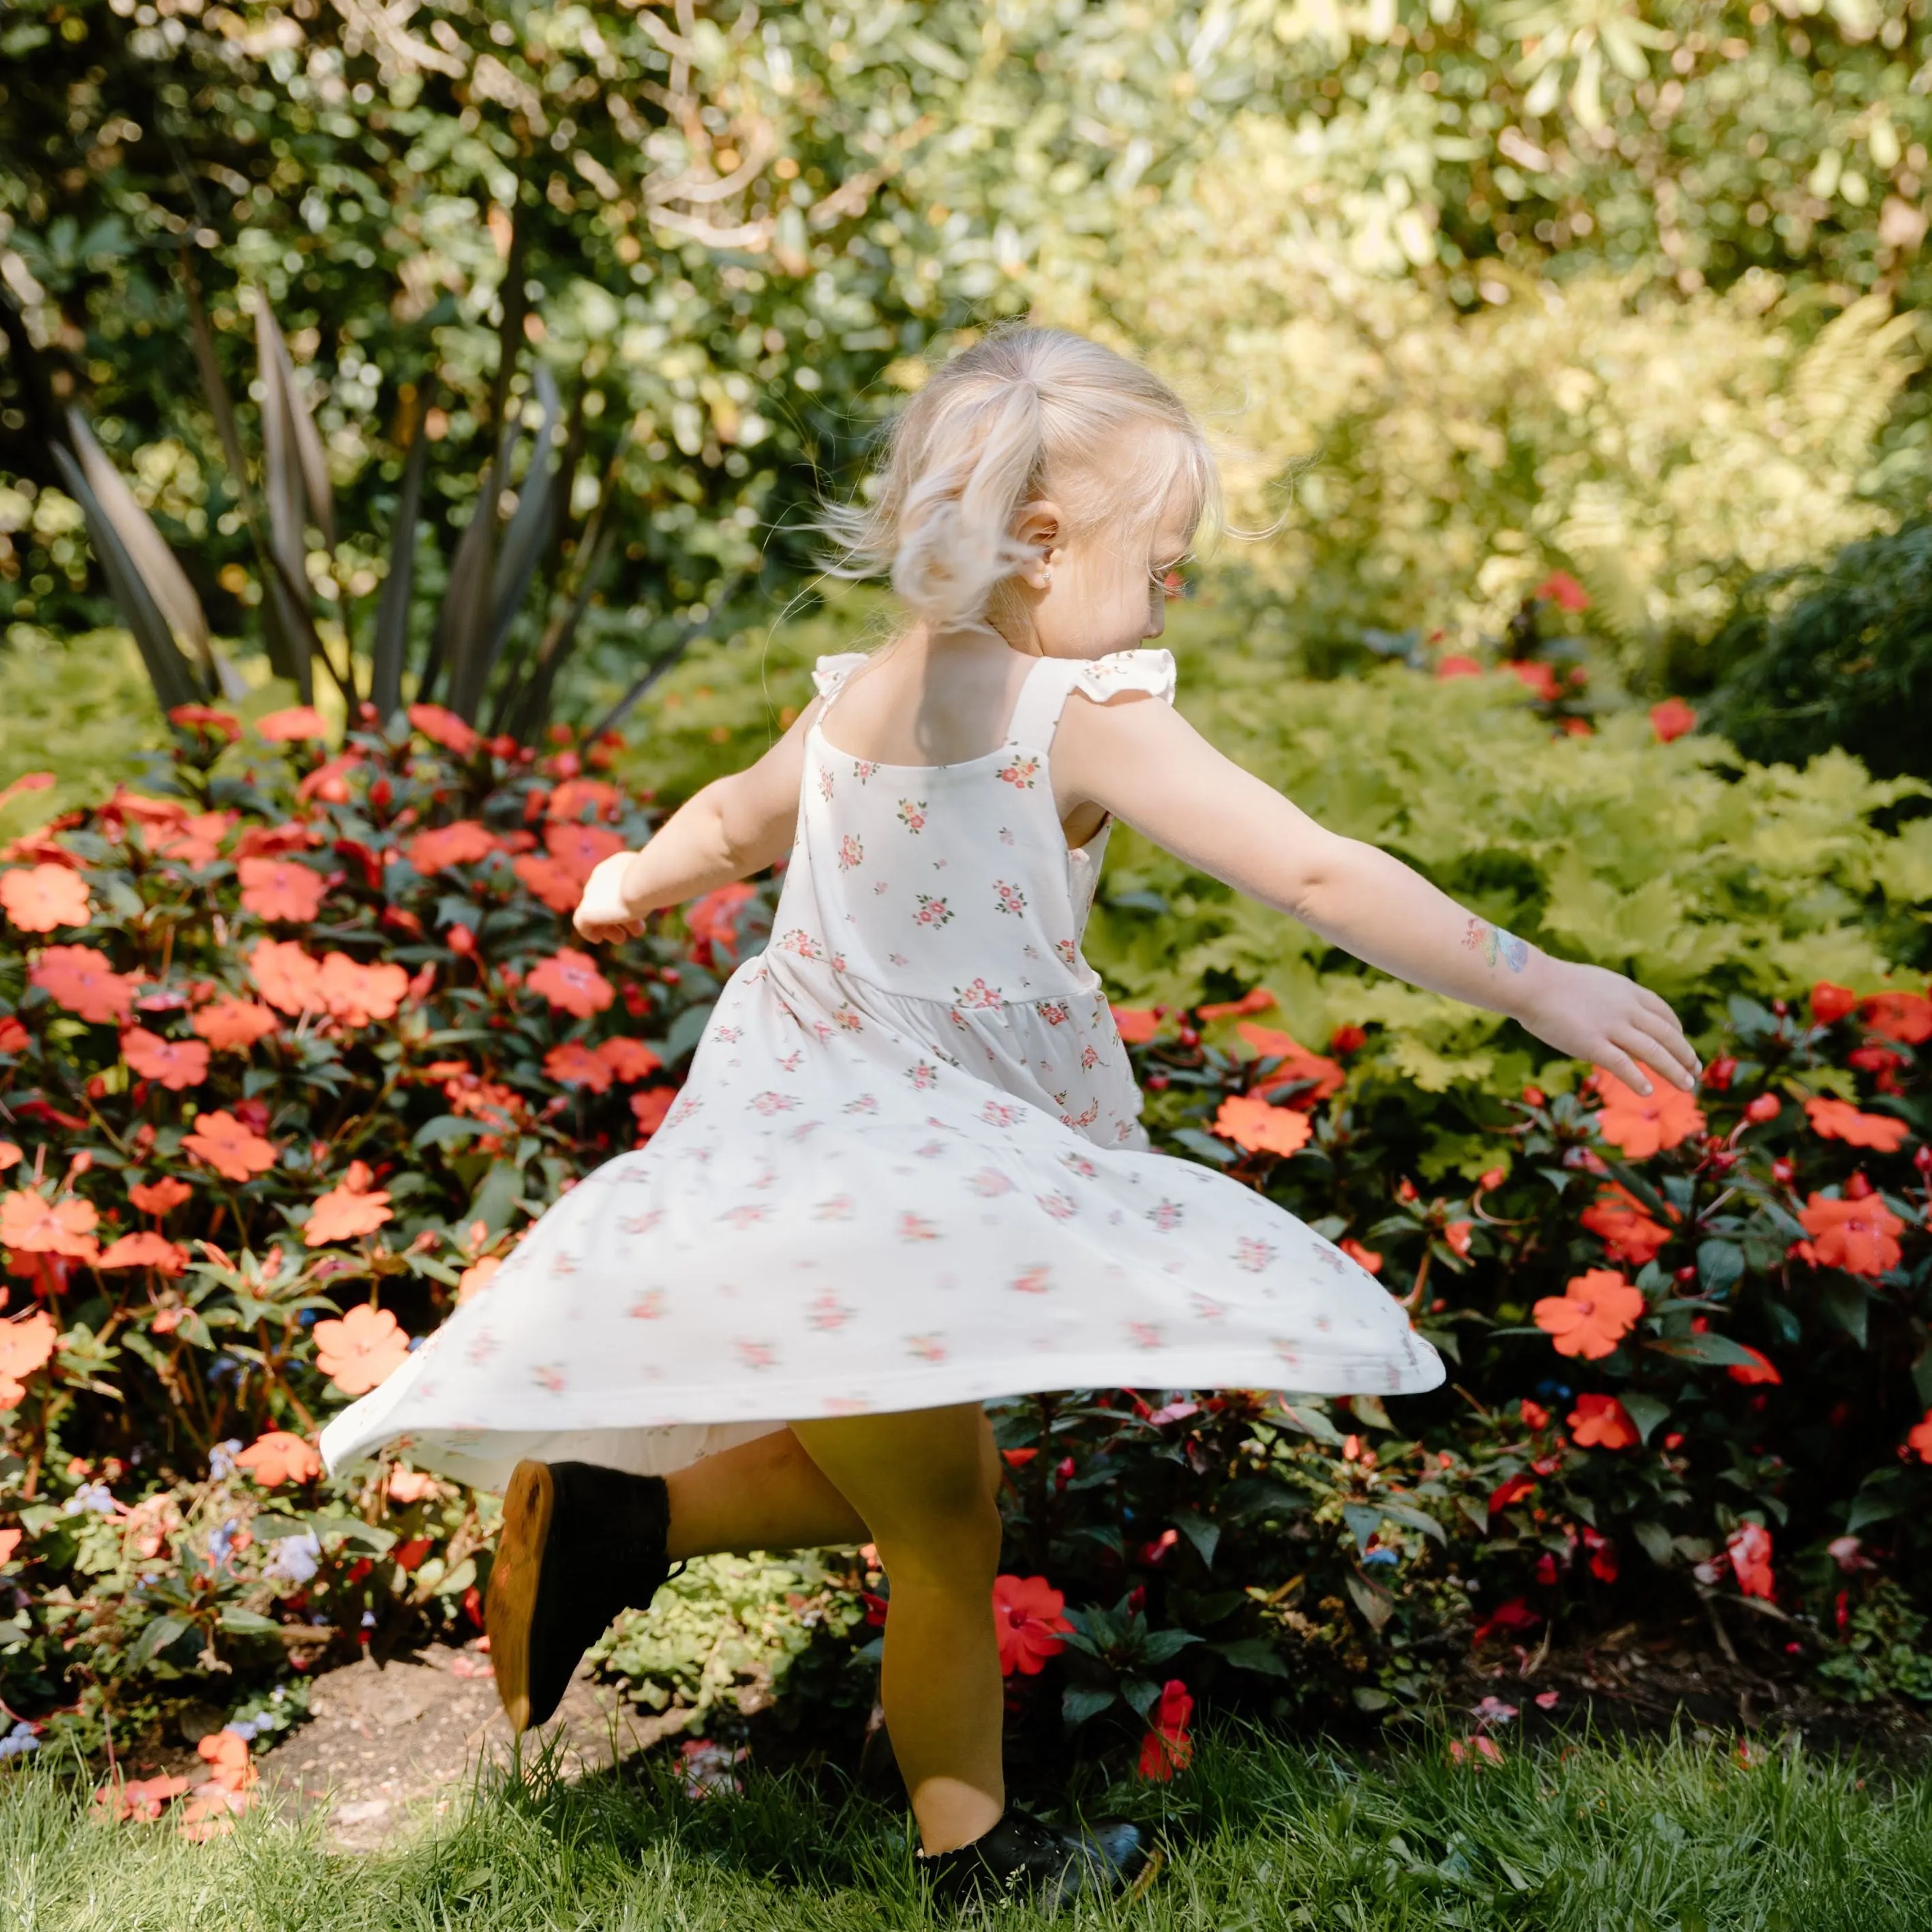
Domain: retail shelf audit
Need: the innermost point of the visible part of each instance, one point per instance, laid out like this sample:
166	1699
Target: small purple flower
296	1558
95	1496
21	1738
221	1544
221	1460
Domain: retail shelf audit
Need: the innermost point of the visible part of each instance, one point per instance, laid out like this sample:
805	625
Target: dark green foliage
1840	657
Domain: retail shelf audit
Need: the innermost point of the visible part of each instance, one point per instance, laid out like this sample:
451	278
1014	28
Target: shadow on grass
1676	1837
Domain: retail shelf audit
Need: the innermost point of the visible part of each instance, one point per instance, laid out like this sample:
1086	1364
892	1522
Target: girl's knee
956	1535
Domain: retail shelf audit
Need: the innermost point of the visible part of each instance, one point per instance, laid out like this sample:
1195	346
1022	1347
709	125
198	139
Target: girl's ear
1038	528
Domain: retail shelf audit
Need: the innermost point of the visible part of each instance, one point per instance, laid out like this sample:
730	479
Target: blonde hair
1025	413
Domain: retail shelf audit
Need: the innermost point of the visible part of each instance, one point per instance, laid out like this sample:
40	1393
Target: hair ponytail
1023	413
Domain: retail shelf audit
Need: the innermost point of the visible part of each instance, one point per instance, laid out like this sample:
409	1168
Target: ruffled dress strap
829	673
1053	680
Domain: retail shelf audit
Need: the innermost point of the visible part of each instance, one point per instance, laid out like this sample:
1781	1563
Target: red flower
362	1350
712	922
351	1209
1167	1747
444	728
1256	1000
1459	667
1563	589
14	1038
232	1150
1918	1438
629	1060
1602	1422
1759	1369
80	978
1136	1024
1840	1121
1254	1124
1535	677
39	898
1861	1236
650	1107
293	725
1347	1039
233	1023
570	798
1029	1615
1628	1233
1596	1310
570	981
281	889
1641	1124
1765	1107
579	849
278	1457
461	844
545	879
146	1249
31	1224
1298	1066
1904	1017
206	716
574	1064
1671	719
158	1197
1830	1004
1362	1257
1750	1548
176	1063
25	1346
1510	1490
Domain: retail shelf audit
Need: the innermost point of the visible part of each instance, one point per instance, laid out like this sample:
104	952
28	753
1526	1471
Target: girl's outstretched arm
1140	760
730	828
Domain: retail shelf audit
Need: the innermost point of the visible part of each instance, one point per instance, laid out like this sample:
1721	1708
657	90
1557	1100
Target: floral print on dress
959	1102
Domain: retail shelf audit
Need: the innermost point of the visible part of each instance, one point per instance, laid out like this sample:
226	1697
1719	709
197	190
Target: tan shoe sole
511	1605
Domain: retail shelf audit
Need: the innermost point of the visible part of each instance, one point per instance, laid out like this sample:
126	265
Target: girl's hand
1613	1022
603	916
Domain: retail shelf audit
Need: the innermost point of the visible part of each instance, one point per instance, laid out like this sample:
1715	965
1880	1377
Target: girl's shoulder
832	670
1150	670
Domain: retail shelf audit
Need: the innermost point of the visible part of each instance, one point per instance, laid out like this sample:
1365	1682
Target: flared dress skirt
906	1169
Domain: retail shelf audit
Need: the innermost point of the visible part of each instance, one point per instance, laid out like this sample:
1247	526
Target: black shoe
1022	1857
579	1543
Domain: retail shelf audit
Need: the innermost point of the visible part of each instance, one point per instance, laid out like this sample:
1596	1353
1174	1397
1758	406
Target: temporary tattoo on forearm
1494	945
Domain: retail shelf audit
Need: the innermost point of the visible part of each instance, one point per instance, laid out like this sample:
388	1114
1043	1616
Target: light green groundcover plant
1699	873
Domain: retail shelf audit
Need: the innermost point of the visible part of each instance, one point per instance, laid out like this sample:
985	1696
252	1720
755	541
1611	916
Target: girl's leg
766	1494
925	1482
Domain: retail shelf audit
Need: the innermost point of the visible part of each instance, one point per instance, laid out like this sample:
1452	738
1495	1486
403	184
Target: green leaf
1415	1519
1140	1694
1375	1603
686	1031
1206	1147
1309	1420
155	1638
1654	1538
1720	1265
1079	1701
1252	1653
446	1130
1719	1351
1645	1411
1364	1521
246	1623
1158	1645
1848	1302
1202	1531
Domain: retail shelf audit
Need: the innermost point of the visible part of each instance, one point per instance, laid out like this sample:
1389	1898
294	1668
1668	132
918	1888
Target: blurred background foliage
1473	291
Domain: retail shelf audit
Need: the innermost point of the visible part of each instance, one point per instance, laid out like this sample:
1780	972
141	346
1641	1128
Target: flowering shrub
291	1047
1690	1356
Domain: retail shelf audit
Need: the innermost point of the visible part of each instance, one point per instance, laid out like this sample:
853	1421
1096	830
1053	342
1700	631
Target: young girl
907	1174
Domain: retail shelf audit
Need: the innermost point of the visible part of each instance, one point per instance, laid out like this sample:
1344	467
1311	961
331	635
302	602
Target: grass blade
170	673
147	551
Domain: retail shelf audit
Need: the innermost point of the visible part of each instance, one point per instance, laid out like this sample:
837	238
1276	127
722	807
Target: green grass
1676	1838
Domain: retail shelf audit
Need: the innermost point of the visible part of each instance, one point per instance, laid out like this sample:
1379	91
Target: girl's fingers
1614	1059
1651	1054
1682	1067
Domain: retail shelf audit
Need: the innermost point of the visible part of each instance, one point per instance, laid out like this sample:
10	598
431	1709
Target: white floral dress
907	1169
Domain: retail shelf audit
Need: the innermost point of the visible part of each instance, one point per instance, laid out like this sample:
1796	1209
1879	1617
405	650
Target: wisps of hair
1025	413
